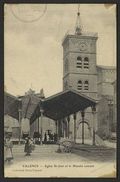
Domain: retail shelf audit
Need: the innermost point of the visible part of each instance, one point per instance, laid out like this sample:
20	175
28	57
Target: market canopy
55	107
11	104
64	104
27	104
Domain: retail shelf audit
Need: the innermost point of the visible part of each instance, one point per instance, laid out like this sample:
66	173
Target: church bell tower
79	61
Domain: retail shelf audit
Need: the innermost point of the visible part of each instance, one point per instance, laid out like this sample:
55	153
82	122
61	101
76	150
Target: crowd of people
47	138
50	137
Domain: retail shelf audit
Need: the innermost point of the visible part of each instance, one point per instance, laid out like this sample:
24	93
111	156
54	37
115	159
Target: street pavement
44	152
45	157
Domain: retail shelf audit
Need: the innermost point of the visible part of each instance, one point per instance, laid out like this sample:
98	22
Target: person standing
28	147
8	150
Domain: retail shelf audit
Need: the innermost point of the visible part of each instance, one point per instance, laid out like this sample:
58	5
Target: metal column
41	117
82	115
93	112
68	126
74	116
20	117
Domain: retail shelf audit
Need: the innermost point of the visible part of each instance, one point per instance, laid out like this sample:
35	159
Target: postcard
60	90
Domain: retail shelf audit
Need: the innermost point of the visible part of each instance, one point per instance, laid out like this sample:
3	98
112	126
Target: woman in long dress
28	147
8	150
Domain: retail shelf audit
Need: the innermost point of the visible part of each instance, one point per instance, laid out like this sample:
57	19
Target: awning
27	104
66	103
55	107
11	104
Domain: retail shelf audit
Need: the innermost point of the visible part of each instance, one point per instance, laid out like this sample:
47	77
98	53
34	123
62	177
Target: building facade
81	73
11	125
106	75
79	64
107	99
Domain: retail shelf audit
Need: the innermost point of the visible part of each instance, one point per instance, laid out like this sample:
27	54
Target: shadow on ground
95	153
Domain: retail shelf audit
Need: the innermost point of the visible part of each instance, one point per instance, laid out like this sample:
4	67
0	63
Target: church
82	74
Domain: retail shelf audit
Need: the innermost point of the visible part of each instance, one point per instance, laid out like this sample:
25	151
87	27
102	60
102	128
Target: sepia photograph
60	116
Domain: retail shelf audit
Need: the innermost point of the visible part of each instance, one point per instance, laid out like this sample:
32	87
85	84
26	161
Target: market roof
55	107
65	103
11	104
27	104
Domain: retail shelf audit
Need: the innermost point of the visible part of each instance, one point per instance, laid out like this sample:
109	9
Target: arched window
79	62
86	62
79	85
86	85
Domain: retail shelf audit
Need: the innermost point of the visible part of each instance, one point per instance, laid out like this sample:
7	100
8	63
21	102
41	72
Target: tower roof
78	27
78	32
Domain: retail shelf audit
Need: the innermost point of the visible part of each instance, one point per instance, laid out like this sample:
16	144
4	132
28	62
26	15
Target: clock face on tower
83	46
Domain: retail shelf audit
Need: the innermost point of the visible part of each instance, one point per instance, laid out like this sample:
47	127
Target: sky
33	42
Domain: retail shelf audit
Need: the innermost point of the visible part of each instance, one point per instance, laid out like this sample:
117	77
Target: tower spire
78	28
